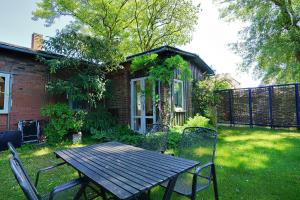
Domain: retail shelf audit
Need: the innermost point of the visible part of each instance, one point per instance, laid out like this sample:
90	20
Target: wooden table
126	171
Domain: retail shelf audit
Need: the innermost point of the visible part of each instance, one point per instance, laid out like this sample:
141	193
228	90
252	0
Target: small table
126	171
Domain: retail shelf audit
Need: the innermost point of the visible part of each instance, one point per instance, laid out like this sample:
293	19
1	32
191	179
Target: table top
124	170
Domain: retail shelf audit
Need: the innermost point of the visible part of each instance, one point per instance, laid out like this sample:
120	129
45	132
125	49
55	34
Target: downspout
9	102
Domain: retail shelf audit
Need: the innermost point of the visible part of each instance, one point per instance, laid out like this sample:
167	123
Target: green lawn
251	164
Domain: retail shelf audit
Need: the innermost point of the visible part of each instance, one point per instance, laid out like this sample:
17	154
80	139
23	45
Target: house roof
25	50
172	50
160	50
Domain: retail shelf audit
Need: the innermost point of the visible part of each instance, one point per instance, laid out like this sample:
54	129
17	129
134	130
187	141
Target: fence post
230	107
297	104
250	107
270	88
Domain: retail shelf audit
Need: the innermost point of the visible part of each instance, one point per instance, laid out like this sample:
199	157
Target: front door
142	104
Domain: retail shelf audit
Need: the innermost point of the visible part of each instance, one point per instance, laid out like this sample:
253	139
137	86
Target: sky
210	39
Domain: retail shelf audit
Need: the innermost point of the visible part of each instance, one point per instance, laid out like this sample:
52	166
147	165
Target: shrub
197	120
174	138
205	98
99	120
62	120
117	133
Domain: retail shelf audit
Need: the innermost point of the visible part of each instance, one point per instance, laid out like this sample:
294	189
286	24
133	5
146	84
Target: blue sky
210	39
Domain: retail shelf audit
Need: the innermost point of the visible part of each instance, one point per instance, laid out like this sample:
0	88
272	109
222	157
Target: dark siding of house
181	117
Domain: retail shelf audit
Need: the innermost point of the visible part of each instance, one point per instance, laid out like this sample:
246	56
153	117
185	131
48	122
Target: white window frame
7	93
143	116
181	108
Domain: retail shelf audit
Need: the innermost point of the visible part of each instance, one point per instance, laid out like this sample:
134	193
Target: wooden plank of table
134	171
124	170
117	172
165	161
106	183
129	156
127	160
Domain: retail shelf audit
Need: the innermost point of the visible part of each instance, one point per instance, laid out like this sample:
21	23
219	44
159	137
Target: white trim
143	116
6	92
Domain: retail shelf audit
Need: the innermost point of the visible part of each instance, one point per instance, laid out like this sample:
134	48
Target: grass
253	163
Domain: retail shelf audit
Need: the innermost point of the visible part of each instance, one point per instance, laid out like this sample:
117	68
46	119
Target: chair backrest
15	155
23	180
157	138
12	150
198	143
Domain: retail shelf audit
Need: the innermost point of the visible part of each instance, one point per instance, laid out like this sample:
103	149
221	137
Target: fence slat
297	104
250	107
270	106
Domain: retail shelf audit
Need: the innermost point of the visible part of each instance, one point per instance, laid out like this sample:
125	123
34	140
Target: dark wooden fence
274	106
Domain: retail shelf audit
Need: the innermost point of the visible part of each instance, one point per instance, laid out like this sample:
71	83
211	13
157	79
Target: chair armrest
65	186
45	170
197	173
200	168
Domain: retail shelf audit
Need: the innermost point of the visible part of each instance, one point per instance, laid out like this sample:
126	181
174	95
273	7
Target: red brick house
23	80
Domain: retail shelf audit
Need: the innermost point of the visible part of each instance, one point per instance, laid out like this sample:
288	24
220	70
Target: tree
81	65
205	98
139	25
270	43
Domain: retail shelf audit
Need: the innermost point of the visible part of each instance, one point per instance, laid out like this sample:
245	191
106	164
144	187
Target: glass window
178	94
4	92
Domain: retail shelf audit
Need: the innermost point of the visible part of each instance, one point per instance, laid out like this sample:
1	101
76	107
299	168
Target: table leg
81	191
170	188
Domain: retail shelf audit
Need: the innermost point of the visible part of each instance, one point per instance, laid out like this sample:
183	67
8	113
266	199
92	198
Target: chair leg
215	185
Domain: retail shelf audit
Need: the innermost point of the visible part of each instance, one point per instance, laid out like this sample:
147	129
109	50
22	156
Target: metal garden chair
197	142
156	138
74	189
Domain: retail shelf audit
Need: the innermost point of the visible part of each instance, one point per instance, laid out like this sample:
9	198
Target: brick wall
28	93
119	101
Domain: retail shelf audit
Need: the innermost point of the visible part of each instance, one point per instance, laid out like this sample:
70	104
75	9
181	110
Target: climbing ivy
162	69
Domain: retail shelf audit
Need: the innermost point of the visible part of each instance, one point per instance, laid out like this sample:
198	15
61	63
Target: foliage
138	25
99	119
117	133
62	120
162	70
80	72
270	42
204	97
174	138
197	120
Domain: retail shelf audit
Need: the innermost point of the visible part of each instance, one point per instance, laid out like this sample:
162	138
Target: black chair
156	138
75	188
197	142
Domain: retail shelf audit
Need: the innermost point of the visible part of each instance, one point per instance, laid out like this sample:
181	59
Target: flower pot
77	138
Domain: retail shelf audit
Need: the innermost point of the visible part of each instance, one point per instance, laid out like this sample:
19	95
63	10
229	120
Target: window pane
137	98
137	124
149	124
149	97
178	88
2	92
